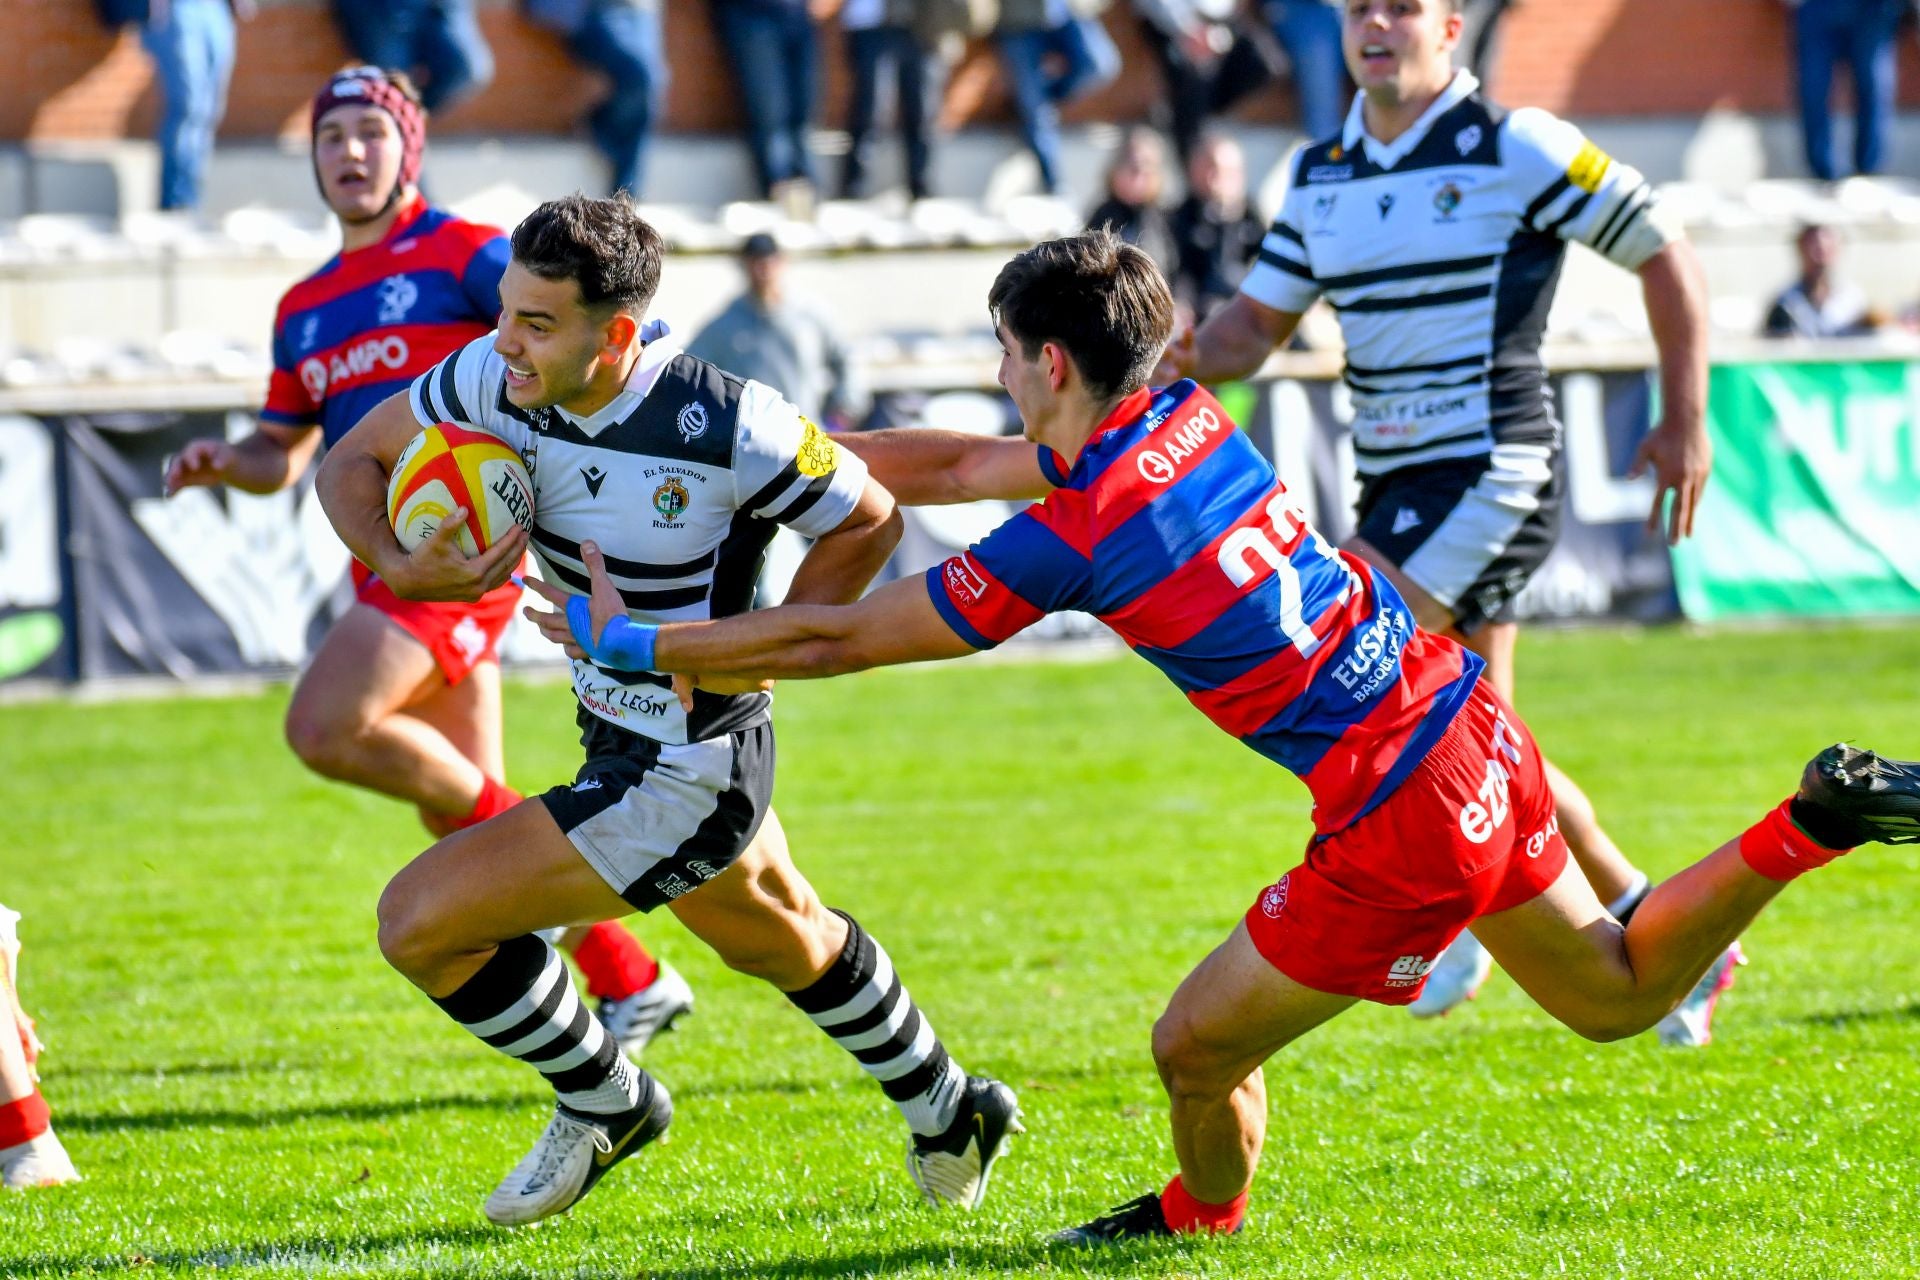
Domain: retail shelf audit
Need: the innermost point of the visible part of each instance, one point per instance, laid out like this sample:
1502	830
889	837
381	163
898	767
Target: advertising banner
1814	508
36	620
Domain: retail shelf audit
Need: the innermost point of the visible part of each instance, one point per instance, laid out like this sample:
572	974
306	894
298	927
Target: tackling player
681	473
1435	225
1431	803
30	1151
403	696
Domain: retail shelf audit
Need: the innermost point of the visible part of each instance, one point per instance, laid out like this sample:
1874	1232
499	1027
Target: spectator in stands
30	1154
1209	58
769	336
191	43
1861	32
882	43
436	42
622	39
1479	44
1309	30
776	63
1136	181
1217	235
1055	51
1820	304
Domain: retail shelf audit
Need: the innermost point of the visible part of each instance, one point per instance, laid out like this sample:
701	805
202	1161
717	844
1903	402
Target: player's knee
1604	1025
409	936
322	742
1188	1066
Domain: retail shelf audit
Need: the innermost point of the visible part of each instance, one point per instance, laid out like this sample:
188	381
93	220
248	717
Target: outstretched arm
925	466
896	624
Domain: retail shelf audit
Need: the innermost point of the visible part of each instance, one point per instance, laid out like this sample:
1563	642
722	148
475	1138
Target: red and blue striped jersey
371	320
1173	530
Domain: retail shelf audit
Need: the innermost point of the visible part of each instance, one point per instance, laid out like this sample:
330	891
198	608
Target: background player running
1431	804
681	473
403	696
1435	226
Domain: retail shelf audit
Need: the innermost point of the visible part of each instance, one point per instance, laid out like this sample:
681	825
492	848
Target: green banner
1814	505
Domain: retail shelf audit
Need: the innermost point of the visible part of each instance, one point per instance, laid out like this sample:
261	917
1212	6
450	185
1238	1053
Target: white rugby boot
1691	1025
1456	977
654	1008
37	1162
953	1167
572	1155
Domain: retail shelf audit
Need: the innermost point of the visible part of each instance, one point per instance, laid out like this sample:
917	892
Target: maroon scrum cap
374	87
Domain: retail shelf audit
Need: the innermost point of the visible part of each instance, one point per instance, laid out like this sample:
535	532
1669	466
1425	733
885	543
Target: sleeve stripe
1410	271
422	409
773	488
1546	198
449	395
1574	209
1630	208
1286	232
1288	265
815	489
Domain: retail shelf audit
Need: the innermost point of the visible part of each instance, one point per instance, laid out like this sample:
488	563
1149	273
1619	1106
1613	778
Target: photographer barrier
1810	511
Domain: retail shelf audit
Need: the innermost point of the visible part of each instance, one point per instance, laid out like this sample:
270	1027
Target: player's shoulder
1537	135
309	291
450	236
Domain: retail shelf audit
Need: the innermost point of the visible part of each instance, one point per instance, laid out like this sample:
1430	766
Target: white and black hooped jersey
681	480
1439	252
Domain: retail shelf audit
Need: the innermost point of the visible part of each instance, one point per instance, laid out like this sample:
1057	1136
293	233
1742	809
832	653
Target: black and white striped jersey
681	480
1439	252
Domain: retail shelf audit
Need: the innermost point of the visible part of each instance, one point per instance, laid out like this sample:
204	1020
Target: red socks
23	1120
1778	849
496	797
613	962
1187	1216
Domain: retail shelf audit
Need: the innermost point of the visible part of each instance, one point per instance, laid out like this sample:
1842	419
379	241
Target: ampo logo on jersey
353	363
1181	444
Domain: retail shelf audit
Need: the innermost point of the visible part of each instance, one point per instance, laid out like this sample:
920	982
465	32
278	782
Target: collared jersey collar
1388	154
1128	411
660	349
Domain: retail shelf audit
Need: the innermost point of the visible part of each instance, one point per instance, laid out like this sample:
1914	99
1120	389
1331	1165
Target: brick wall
1581	57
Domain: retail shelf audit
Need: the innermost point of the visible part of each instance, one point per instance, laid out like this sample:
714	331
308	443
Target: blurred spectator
191	43
776	64
787	344
881	39
1055	51
1209	58
1819	304
1480	37
30	1154
1309	30
1861	32
1216	234
621	38
436	42
1136	180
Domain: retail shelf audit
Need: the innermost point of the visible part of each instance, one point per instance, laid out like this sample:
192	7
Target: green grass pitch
1045	850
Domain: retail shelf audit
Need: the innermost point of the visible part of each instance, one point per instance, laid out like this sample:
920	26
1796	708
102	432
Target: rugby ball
447	467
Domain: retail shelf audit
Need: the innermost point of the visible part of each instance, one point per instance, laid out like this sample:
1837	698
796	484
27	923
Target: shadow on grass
372	1112
1852	1017
281	1253
1025	1255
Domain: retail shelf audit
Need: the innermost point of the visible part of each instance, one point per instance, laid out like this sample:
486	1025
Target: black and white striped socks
522	1002
860	1002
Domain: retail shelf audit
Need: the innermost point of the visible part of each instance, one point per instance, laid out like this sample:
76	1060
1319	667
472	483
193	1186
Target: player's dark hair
603	245
1099	297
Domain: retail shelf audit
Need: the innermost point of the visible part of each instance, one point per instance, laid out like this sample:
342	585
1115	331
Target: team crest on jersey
397	296
670	500
1323	206
1446	200
692	421
1467	139
818	454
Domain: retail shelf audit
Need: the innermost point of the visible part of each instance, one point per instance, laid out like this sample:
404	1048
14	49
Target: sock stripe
875	1056
889	1017
880	1012
559	1033
580	1043
534	1006
516	965
527	1033
859	961
939	1071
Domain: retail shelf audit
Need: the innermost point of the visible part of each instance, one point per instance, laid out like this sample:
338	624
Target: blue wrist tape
625	645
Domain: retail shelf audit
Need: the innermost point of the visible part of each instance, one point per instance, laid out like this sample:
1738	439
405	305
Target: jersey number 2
1244	547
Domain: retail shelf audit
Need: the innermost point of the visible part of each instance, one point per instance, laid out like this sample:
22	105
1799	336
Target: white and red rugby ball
450	466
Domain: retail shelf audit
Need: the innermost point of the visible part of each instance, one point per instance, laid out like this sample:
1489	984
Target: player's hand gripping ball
449	467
